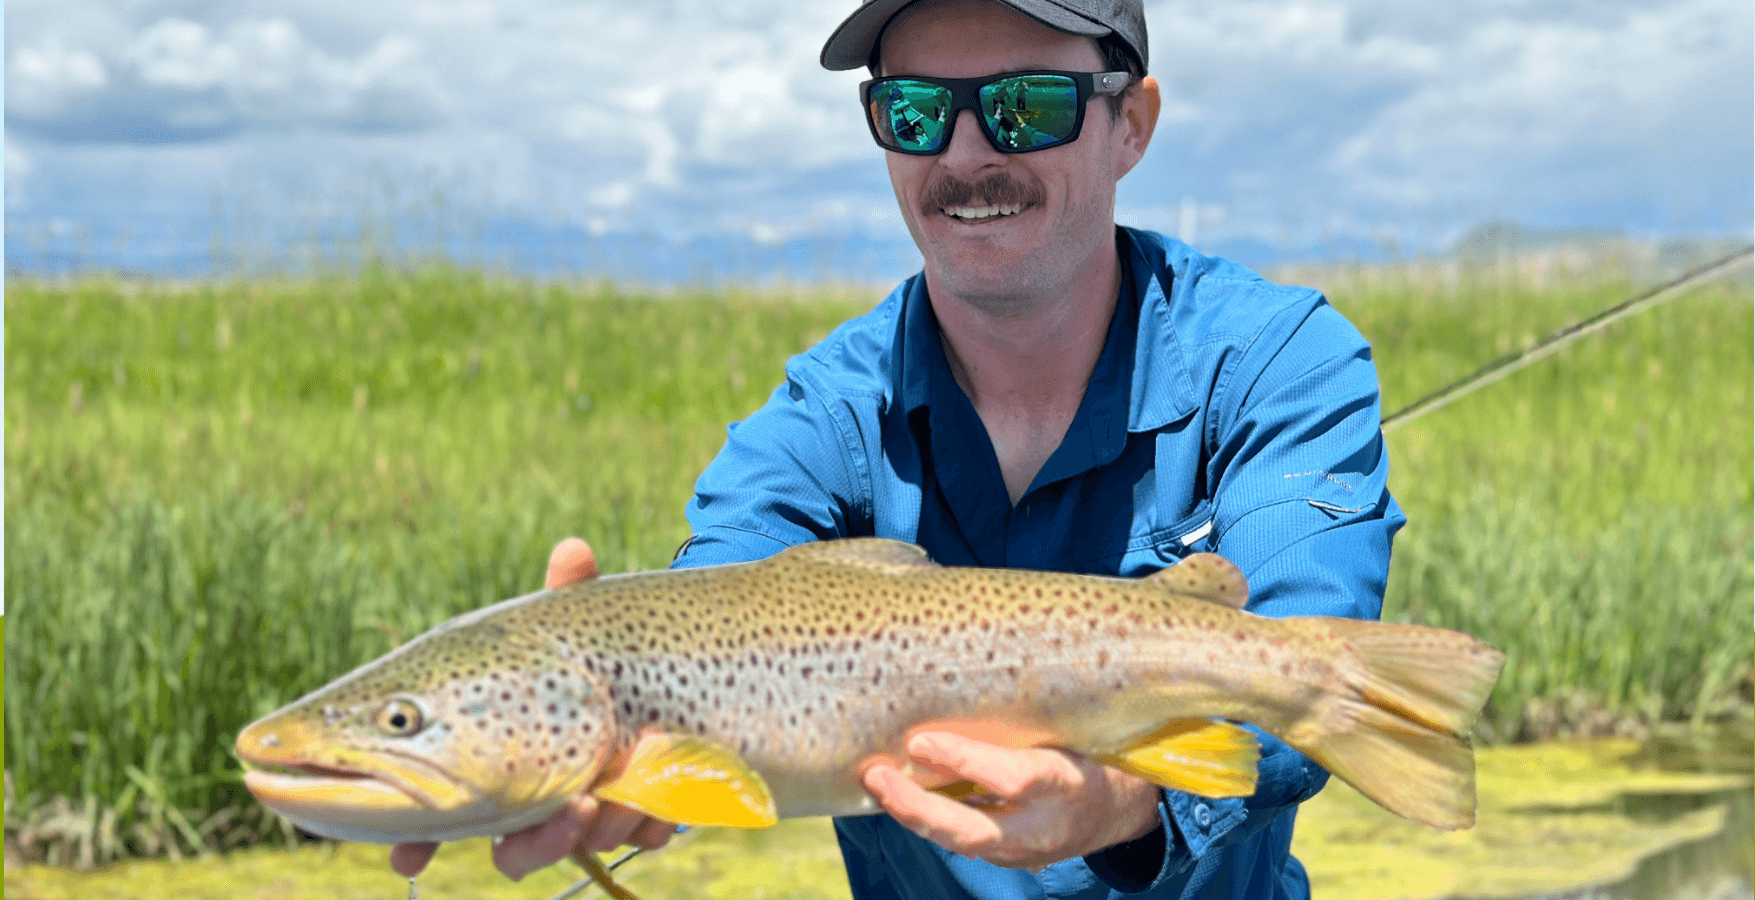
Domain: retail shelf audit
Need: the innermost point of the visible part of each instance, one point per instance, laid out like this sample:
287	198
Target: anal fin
1200	756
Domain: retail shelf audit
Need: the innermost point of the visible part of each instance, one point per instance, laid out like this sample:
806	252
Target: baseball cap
851	45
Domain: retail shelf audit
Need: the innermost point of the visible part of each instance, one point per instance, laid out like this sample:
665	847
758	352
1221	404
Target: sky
671	140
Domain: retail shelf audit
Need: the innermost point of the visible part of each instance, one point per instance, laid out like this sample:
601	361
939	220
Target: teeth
983	212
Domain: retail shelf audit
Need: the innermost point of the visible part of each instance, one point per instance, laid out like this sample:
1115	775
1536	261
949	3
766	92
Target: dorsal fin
1207	576
882	554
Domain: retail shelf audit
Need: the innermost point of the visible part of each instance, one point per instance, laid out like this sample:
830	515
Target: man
1051	392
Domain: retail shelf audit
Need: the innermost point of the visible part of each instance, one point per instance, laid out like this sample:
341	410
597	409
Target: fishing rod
1547	346
1480	378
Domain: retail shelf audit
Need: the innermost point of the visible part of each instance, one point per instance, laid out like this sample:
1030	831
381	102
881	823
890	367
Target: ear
1138	119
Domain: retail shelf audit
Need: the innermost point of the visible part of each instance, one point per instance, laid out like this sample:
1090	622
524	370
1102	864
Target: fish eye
400	717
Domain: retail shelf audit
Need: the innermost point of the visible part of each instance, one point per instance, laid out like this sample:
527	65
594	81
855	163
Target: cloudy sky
690	136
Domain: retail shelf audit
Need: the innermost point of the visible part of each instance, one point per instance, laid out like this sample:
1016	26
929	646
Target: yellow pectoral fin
692	781
1200	756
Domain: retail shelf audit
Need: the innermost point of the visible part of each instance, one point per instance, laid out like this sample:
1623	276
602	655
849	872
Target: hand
586	822
1053	805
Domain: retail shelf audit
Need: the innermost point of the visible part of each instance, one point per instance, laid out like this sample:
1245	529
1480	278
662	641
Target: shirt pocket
1166	546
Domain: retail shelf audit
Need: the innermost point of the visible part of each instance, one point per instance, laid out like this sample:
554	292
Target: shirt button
1202	816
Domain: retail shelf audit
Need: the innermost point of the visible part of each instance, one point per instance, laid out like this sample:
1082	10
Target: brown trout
741	694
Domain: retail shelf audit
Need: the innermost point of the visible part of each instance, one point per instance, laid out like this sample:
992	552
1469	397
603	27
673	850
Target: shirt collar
1163	385
1161	389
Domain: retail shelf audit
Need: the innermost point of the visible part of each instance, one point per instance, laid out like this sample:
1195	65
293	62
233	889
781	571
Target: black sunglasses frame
966	94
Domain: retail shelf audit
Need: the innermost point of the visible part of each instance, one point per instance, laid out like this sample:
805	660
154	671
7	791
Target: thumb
571	562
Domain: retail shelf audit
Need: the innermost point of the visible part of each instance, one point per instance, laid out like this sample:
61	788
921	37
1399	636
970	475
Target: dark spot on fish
652	715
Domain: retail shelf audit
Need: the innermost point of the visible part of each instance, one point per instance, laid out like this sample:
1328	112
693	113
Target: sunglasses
1019	112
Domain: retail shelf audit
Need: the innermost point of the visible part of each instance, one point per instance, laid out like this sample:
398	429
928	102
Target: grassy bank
220	496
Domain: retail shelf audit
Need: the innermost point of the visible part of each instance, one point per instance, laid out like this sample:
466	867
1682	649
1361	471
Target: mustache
998	189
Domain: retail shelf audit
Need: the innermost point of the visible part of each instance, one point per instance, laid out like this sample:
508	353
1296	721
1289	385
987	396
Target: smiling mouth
983	213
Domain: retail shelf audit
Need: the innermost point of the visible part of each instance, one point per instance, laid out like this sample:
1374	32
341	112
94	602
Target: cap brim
851	45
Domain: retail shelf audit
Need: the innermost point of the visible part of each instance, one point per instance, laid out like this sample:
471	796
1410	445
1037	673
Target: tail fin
1403	741
1437	677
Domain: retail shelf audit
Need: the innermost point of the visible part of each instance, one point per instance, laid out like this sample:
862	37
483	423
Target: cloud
1323	116
182	80
1286	122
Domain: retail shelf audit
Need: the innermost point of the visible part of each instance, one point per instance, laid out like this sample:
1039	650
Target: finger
569	563
613	826
542	845
653	833
957	827
410	859
1004	771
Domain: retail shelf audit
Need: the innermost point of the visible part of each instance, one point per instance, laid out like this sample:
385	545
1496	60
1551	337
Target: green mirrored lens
1031	111
913	115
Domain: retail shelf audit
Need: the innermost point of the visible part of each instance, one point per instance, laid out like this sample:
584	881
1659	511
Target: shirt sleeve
785	476
1302	507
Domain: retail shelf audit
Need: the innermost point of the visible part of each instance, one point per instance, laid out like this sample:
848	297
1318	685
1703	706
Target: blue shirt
1225	414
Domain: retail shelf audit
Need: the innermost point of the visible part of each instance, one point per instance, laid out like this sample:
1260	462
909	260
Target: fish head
471	729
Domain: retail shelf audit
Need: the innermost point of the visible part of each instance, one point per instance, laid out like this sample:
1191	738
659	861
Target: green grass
1589	514
221	496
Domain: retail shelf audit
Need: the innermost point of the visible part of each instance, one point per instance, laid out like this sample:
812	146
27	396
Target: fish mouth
385	805
401	784
377	795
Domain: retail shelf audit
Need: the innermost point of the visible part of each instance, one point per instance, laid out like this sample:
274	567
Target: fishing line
1505	365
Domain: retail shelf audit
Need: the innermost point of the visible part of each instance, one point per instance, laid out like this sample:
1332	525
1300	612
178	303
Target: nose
968	149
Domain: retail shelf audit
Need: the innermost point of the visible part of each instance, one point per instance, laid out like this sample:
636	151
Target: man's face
1065	195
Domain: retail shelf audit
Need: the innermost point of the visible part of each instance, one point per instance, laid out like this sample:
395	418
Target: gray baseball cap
851	45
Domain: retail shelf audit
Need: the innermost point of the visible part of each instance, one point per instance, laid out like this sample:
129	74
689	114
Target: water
1717	866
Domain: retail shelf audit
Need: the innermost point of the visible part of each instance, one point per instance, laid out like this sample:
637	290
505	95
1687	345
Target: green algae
1551	818
795	860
